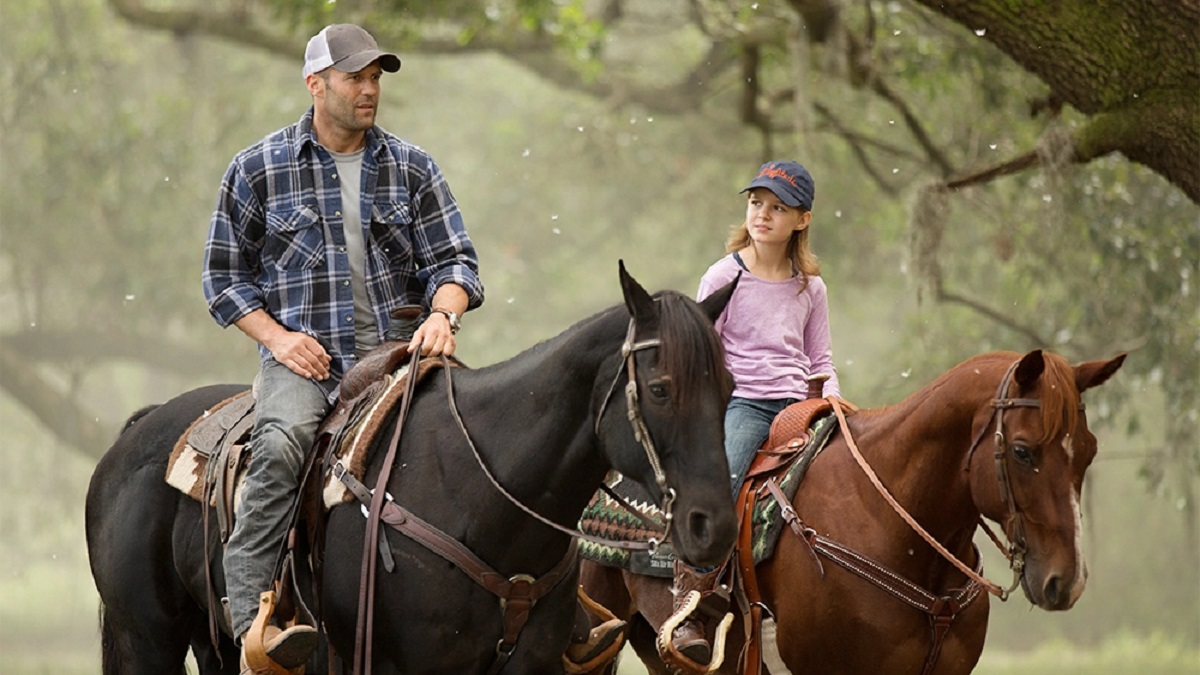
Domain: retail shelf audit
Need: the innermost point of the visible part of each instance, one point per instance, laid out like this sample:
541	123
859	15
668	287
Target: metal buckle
517	578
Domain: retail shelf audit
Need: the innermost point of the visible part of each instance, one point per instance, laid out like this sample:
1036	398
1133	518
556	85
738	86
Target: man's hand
433	337
301	353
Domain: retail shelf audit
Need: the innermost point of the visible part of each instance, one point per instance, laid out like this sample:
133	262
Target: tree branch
1032	335
62	415
1015	165
864	70
856	143
230	25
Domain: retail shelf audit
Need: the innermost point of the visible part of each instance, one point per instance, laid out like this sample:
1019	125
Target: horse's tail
110	662
133	419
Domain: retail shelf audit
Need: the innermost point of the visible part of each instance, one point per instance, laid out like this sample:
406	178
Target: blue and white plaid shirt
275	241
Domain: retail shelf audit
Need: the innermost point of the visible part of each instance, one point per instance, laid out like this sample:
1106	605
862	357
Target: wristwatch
455	322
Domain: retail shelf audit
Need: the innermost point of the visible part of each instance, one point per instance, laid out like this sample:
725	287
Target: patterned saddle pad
607	519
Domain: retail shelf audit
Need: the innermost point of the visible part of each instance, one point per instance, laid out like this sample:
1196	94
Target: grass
48	618
1122	654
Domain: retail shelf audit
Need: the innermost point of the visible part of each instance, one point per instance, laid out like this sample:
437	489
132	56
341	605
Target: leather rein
1016	549
519	593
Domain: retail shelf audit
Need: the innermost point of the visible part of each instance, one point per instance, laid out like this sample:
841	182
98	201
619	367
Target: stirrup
677	659
255	644
604	641
603	645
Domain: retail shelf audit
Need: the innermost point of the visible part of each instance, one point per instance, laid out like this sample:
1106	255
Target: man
321	229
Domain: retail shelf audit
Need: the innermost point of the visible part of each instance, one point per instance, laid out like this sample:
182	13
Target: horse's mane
691	350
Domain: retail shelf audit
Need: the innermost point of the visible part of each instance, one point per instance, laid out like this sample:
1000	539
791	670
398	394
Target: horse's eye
659	390
1023	454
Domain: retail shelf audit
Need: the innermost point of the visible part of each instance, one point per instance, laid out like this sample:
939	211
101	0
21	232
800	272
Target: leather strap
518	594
752	615
365	625
940	610
905	515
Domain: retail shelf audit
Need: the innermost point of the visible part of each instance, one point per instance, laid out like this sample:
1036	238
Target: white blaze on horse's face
1076	589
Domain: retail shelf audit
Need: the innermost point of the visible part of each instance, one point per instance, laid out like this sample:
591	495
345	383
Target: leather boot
690	637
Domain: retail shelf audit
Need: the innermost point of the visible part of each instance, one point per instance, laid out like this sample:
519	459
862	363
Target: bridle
640	432
1016	549
519	593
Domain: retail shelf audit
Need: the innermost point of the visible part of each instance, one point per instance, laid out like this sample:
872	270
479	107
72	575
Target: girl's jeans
747	425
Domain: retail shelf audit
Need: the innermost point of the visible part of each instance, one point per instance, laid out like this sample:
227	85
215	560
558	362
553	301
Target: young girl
775	331
776	328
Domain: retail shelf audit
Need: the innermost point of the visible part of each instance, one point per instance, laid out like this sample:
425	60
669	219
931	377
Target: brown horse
1001	436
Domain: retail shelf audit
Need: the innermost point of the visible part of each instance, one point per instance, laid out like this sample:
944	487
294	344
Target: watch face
452	318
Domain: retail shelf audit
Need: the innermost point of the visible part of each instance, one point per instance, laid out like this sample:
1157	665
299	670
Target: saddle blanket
607	519
230	422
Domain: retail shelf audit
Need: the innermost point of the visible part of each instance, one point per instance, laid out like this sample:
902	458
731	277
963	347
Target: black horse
548	424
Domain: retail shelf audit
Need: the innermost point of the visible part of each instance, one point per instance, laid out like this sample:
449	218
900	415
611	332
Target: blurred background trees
990	175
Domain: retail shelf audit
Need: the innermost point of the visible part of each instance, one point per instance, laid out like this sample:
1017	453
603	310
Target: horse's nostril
1052	590
700	528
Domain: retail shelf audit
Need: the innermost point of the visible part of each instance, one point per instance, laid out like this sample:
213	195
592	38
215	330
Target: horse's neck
919	449
538	412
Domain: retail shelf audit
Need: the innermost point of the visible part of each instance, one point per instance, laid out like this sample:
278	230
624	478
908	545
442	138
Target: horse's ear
1096	373
715	303
639	302
1029	369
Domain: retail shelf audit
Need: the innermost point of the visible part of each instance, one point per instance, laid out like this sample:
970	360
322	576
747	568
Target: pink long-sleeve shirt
774	336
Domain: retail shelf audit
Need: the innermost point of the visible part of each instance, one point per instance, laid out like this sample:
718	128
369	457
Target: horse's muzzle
704	538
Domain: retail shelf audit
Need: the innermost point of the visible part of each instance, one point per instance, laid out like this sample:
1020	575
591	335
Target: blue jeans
289	408
747	426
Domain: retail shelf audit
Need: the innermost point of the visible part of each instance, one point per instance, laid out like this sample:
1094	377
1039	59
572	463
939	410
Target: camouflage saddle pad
605	518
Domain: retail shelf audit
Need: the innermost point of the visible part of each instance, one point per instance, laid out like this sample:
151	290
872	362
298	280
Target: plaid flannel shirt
275	240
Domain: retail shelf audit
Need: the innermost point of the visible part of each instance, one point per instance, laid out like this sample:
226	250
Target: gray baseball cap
347	47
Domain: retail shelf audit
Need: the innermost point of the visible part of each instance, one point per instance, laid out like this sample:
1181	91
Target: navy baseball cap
789	181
